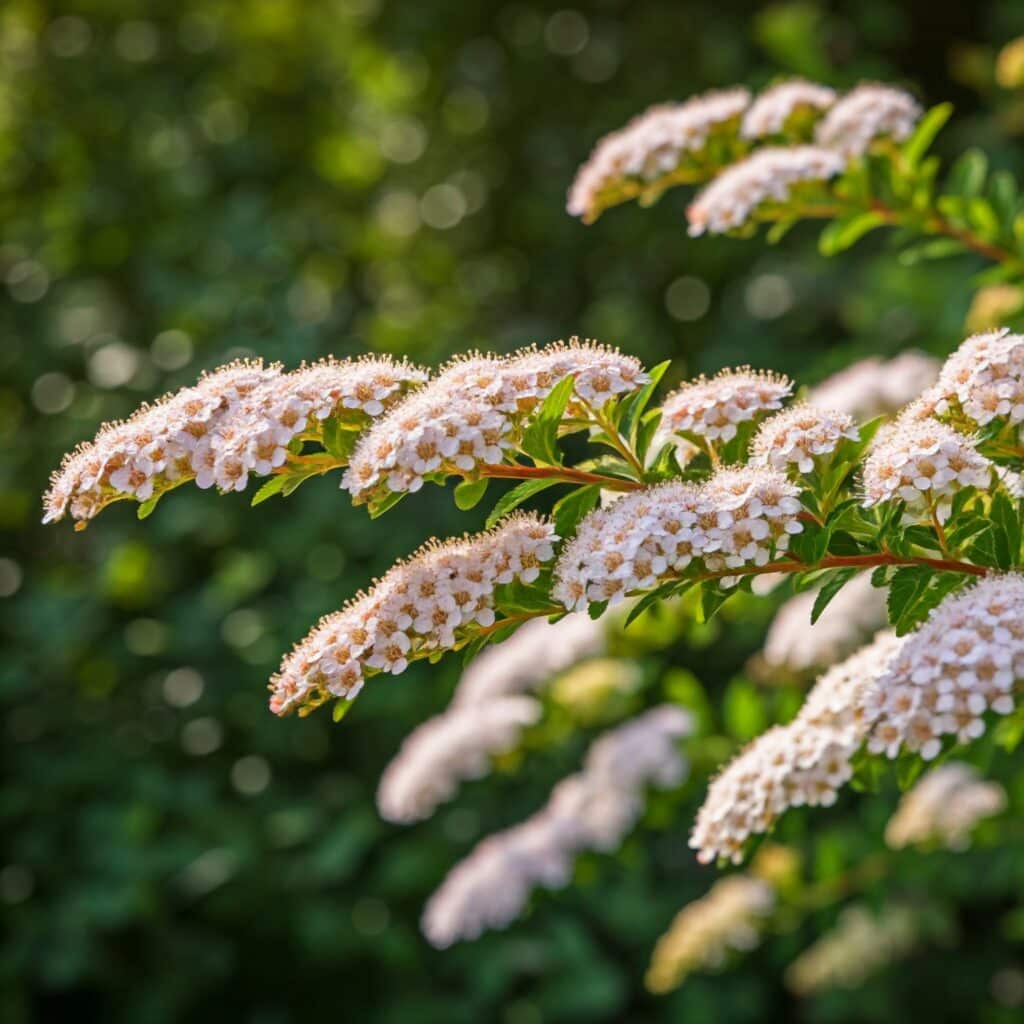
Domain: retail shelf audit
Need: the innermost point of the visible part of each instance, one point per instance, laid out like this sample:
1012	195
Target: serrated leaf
469	493
914	592
906	586
271	487
512	499
540	439
880	577
829	591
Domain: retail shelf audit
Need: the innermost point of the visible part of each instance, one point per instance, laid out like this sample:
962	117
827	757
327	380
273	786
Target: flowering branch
798	151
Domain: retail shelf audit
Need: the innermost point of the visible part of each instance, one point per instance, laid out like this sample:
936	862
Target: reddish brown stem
566	473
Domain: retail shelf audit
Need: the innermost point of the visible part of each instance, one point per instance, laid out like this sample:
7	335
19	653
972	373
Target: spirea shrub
899	480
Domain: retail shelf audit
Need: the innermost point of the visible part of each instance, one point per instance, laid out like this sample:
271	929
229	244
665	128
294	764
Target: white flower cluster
962	662
534	654
802	763
875	386
652	145
866	113
160	444
921	461
770	174
944	805
742	516
415	609
861	944
729	919
470	415
793	644
714	407
800	435
985	376
771	111
448	749
235	421
590	810
255	439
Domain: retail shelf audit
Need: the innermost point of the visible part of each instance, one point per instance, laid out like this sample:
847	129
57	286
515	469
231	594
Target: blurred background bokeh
185	181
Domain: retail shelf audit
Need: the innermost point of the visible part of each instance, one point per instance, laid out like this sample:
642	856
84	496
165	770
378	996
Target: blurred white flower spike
447	750
667	139
943	807
728	920
772	175
530	658
867	113
591	810
779	106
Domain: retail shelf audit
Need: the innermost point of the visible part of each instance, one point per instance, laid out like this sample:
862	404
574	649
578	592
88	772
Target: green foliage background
292	178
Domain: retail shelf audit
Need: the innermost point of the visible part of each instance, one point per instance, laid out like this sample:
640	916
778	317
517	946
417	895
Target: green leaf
469	493
512	499
906	587
339	441
842	543
844	232
924	135
936	249
779	230
810	545
646	433
271	487
540	439
1010	730
519	598
983	217
1004	516
967	176
712	597
829	591
568	512
908	770
378	508
914	591
145	509
666	590
1005	198
636	404
341	709
743	713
